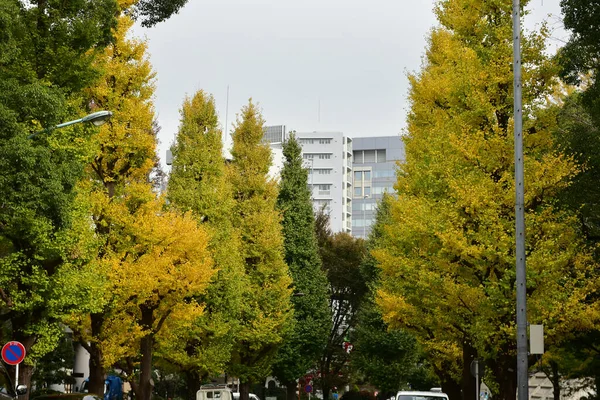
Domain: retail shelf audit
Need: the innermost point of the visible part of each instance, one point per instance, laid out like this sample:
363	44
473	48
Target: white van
214	392
414	395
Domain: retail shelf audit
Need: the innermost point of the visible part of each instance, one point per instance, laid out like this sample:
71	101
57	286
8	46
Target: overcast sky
337	65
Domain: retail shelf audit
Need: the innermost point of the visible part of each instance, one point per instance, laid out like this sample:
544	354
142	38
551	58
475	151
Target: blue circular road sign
13	353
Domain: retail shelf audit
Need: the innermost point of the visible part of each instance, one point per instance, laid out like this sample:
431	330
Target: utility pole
522	367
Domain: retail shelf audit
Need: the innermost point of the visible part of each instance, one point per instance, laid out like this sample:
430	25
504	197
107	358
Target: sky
312	65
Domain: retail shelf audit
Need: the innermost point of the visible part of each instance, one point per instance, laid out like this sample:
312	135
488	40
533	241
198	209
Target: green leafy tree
46	55
266	314
577	134
199	182
312	316
342	256
54	368
448	253
152	12
388	359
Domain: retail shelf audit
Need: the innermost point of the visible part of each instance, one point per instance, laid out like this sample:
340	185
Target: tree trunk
146	344
326	390
555	379
291	391
449	385
192	383
244	390
505	370
97	373
468	380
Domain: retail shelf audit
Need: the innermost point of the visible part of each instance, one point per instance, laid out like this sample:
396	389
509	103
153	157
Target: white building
328	158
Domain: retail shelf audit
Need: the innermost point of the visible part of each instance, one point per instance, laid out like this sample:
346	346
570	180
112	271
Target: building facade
374	173
328	158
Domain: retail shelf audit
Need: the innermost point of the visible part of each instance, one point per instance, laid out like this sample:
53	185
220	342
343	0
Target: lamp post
98	118
521	271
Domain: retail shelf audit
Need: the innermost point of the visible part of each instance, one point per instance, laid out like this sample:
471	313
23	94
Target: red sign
13	353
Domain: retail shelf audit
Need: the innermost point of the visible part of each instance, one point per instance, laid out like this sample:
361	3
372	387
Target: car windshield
418	397
5	381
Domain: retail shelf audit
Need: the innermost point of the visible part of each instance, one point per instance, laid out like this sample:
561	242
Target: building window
370	156
357	176
321	156
367	175
385	174
358	156
357	191
324	141
367	190
320	171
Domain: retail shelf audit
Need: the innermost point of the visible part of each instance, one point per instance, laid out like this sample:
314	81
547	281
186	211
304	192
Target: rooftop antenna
226	118
319	113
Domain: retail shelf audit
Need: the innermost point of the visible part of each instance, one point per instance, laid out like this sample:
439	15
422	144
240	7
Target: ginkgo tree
199	182
147	265
266	313
124	154
158	267
447	255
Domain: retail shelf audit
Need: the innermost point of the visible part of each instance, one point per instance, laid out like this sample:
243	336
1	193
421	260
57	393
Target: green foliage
266	310
46	54
342	256
199	183
577	134
312	316
581	55
54	367
390	360
155	11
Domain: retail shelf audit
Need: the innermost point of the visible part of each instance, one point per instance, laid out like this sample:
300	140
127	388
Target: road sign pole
16	376
476	379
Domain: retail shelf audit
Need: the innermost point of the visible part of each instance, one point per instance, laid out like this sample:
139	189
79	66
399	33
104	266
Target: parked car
414	395
7	388
67	396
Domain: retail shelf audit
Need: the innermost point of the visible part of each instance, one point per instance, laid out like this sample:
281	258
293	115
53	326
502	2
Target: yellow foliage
448	255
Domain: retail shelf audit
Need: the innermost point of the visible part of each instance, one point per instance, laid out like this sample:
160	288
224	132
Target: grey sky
351	56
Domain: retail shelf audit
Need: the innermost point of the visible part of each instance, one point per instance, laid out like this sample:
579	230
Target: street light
98	118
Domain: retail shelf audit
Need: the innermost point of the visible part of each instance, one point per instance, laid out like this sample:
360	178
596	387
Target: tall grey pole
476	379
522	376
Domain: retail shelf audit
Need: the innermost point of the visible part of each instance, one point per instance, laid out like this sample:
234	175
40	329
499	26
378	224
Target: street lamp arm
98	118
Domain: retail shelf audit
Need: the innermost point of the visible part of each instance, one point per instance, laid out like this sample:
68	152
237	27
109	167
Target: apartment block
374	173
328	158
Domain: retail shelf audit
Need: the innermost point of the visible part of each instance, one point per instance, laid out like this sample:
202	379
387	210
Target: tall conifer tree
312	315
